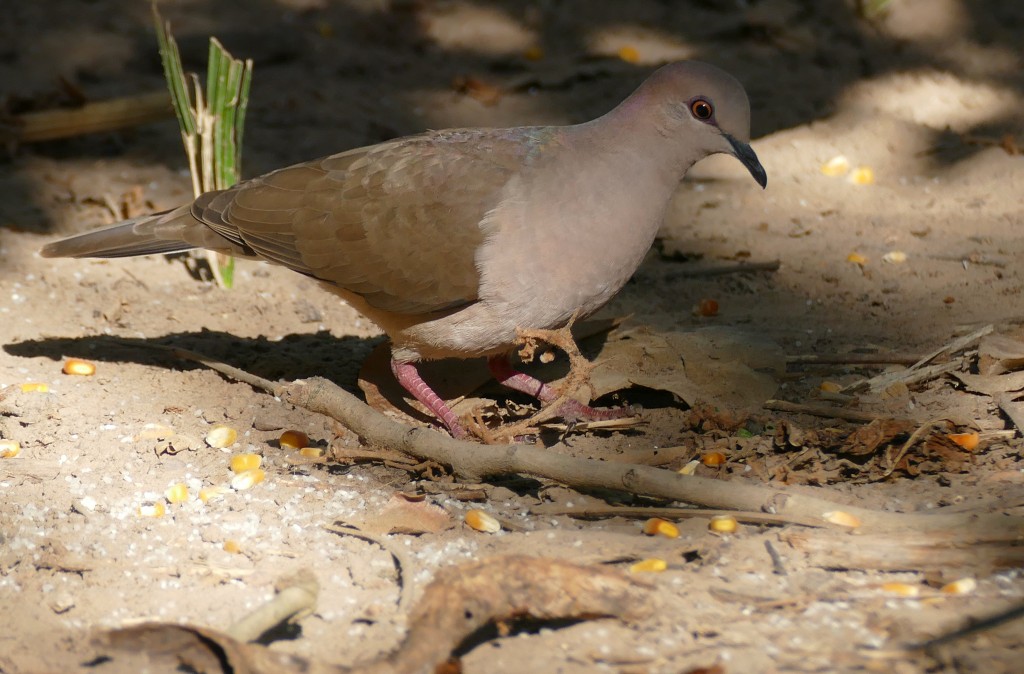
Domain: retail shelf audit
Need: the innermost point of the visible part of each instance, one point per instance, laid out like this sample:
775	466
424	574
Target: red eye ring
702	110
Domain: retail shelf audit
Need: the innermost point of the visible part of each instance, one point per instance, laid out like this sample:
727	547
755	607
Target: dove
452	240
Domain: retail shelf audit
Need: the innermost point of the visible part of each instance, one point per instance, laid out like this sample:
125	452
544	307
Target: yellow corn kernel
207	494
829	387
311	452
968	441
723	524
650	565
243	462
713	459
293	440
659	527
843	519
221	436
232	546
325	29
901	589
961	586
481	521
690	468
152	509
857	258
629	54
862	175
177	493
895	257
9	449
248	479
34	387
79	367
836	166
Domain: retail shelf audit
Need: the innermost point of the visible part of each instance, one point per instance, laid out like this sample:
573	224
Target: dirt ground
929	96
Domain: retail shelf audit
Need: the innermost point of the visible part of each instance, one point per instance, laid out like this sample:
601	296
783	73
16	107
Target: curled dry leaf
402	515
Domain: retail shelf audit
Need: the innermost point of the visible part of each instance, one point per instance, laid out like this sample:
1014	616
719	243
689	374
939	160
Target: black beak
745	154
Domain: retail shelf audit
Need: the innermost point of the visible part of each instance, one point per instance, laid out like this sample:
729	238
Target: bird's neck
637	133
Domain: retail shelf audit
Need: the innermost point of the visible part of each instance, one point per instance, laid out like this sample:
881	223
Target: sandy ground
924	96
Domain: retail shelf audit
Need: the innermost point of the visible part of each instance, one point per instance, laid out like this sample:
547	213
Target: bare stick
97	117
852	359
825	411
295	595
593	512
956	345
477	461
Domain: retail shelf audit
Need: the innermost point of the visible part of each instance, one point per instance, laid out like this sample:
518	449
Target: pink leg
570	410
412	382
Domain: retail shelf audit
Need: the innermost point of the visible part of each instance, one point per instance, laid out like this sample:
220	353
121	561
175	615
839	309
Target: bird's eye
702	110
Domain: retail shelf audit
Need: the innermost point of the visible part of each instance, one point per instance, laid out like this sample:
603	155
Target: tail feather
172	231
138	236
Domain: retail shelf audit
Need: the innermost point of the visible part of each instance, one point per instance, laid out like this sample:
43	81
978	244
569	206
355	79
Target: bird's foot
411	381
569	410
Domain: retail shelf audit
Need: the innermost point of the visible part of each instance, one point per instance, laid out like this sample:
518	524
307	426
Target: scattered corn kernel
651	565
34	387
311	452
152	509
79	367
690	468
481	521
534	53
829	387
221	436
901	589
232	546
629	54
862	175
836	166
968	441
207	494
325	29
9	449
659	527
843	519
243	462
961	586
155	432
895	257
723	524
857	258
706	308
293	440
248	479
177	493
713	459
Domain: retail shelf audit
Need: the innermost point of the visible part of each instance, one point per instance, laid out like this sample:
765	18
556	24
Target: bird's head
703	108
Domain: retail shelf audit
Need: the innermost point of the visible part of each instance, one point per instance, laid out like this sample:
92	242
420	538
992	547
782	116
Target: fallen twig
296	596
97	117
920	371
459	601
826	411
852	359
597	511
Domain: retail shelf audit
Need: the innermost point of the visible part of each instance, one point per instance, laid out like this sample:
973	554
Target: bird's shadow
298	356
295	356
